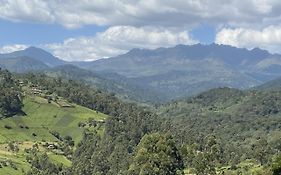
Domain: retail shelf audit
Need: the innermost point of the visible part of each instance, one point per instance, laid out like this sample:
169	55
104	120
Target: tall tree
10	95
157	155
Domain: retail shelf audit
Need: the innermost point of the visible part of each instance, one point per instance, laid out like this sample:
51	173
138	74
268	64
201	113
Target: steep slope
22	64
42	119
46	123
37	54
125	125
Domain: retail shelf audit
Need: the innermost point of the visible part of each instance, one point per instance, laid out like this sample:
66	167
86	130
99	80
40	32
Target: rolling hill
29	60
42	117
47	123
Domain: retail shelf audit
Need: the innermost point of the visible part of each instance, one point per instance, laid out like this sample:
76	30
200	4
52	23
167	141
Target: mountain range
161	74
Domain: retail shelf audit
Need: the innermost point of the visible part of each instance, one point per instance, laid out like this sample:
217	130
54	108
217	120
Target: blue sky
37	34
205	34
94	29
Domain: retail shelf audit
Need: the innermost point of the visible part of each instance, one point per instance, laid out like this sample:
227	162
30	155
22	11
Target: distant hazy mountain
22	64
181	55
270	85
37	54
161	74
37	60
123	87
187	70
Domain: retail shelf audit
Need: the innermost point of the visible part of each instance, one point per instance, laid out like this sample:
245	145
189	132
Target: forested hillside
245	125
119	85
10	95
89	131
221	130
100	153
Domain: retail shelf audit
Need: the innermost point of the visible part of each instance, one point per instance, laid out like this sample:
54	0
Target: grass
17	159
246	167
41	118
10	171
60	159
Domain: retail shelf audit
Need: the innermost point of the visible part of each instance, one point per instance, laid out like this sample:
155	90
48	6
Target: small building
51	146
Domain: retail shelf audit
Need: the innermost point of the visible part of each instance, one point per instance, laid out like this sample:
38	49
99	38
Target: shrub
8	127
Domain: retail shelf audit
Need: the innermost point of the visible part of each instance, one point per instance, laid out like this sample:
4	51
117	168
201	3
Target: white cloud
12	48
117	40
26	10
268	38
176	13
154	23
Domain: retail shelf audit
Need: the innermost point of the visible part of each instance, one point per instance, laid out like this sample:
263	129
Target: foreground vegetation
41	125
241	125
64	127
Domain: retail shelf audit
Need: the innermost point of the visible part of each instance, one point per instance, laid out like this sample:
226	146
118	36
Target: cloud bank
268	38
73	13
149	23
117	40
12	48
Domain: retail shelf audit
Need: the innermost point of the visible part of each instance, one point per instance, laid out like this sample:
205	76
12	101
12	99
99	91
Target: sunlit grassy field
40	118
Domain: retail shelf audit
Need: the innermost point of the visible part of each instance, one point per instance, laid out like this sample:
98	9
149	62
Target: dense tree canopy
100	153
157	155
214	129
247	123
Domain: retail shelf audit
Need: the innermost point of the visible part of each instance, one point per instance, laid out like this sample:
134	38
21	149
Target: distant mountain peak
259	50
37	54
36	50
32	48
136	50
139	52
